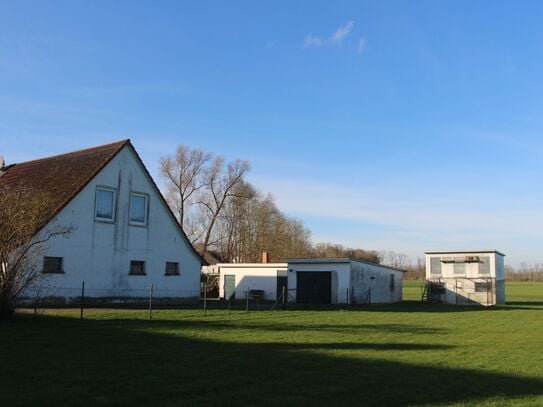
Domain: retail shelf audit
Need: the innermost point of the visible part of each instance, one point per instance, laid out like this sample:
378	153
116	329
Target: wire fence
152	298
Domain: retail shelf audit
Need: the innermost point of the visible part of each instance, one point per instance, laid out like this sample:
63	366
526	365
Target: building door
314	287
282	281
229	286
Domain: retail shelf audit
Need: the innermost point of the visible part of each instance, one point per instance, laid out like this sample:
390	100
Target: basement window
137	268
104	206
172	269
138	209
52	265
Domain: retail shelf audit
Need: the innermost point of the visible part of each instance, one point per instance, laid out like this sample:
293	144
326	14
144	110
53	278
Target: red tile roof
61	177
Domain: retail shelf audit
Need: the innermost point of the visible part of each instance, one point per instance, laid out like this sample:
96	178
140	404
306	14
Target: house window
459	268
484	265
105	204
435	266
137	268
138	209
392	282
172	268
52	265
482	287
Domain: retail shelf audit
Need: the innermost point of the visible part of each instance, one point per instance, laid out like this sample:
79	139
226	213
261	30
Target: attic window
105	204
138	209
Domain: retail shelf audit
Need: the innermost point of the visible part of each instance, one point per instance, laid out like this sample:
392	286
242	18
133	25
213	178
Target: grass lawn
399	355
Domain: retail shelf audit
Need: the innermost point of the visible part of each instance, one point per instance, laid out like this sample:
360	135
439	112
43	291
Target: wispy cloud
311	41
409	223
342	32
361	45
336	38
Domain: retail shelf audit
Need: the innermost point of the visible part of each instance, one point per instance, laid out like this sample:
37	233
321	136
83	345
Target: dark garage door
314	287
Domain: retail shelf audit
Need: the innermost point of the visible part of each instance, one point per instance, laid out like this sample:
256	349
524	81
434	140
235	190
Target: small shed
342	281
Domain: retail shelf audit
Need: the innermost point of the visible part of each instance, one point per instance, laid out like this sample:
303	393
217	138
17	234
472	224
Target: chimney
2	165
265	257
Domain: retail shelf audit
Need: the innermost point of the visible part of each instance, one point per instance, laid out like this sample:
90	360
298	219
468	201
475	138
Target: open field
401	355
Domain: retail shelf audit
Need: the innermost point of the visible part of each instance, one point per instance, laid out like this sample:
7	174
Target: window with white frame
459	268
104	208
484	265
435	266
138	209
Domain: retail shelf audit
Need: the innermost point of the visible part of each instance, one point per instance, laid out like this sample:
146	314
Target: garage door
314	287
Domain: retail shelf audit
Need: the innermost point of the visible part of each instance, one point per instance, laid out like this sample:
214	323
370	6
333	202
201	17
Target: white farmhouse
465	277
313	281
124	238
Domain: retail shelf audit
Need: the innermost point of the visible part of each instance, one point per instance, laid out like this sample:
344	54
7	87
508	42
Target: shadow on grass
61	361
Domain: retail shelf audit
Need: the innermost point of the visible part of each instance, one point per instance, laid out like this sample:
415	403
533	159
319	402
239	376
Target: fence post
284	295
247	300
151	302
82	299
205	298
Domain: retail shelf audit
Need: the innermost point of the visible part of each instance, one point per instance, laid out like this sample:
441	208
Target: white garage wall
257	276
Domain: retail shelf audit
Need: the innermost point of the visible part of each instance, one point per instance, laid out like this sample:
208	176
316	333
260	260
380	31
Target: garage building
343	281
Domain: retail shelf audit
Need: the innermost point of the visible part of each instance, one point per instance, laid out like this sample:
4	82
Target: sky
386	125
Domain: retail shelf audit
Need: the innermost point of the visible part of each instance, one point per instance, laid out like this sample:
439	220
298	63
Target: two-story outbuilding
465	277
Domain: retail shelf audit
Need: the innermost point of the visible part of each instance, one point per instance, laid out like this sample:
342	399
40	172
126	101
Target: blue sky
403	126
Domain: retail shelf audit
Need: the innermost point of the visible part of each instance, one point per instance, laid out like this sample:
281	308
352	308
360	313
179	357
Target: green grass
400	355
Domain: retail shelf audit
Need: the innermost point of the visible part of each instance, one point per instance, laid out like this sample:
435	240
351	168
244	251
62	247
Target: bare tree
183	173
221	182
22	214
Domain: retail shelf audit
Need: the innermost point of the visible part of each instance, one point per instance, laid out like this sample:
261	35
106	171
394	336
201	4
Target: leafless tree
21	241
221	180
183	173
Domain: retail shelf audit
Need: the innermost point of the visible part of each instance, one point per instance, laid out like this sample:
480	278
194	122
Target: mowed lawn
399	355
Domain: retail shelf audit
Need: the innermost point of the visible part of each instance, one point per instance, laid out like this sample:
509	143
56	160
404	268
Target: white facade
251	276
352	281
100	252
345	281
466	277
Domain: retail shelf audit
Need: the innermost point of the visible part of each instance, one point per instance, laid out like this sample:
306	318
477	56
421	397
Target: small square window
138	209
137	268
104	208
52	265
172	269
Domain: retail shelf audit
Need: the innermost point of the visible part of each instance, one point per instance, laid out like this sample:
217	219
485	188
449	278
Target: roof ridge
121	143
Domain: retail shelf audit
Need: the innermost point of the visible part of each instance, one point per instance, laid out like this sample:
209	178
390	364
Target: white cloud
311	41
342	32
393	217
336	38
361	45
